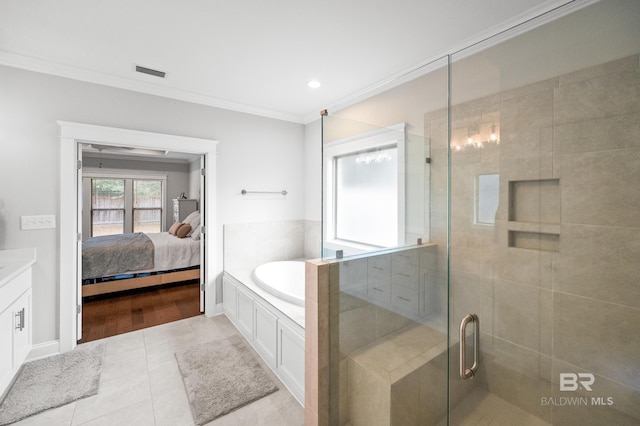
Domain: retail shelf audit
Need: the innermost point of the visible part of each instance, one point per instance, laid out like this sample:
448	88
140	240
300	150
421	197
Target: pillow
195	223
195	233
183	230
189	219
174	228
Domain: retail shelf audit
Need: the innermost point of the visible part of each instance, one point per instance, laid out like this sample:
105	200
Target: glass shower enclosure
487	232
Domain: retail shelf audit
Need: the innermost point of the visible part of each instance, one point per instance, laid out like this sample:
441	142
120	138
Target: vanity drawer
406	300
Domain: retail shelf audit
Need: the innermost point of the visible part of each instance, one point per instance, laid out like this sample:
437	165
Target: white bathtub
284	279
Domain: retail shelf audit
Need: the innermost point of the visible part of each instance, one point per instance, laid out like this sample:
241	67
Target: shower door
506	290
544	230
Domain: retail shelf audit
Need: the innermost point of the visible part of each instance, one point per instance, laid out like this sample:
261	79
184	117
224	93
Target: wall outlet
38	222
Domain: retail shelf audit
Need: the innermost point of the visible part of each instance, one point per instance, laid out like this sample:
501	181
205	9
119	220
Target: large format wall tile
599	262
612	94
597	336
526	124
600	188
613	67
471	294
623	409
523	315
532	267
598	134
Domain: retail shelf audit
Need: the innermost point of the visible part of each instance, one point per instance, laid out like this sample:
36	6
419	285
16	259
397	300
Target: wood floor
107	316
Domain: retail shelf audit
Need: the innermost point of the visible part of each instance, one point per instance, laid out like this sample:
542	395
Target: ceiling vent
150	71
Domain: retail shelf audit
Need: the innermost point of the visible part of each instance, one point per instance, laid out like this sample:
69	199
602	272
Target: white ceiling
249	55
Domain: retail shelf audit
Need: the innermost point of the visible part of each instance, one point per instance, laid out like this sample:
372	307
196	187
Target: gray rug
222	376
53	382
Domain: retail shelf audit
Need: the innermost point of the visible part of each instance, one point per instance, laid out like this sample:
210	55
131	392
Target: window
107	206
125	204
147	206
364	191
487	198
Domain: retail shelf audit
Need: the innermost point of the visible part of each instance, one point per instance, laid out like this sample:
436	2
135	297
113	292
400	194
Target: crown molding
47	67
544	13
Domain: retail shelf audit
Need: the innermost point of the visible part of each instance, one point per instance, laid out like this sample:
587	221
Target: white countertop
14	262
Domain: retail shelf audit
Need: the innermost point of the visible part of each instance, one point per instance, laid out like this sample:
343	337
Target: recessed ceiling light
314	84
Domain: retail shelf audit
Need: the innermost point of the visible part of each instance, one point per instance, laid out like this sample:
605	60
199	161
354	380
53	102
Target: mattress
114	256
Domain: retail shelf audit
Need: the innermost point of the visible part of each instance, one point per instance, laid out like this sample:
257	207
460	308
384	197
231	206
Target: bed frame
137	282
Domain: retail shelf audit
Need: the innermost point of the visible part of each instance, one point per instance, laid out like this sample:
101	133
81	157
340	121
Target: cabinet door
291	359
245	314
229	299
379	279
21	312
6	348
265	334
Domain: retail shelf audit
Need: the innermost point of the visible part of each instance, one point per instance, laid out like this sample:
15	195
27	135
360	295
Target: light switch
38	222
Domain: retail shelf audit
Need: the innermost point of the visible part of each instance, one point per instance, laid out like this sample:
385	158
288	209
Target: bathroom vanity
15	312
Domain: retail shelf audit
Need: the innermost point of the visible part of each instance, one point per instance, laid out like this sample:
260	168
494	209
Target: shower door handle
469	373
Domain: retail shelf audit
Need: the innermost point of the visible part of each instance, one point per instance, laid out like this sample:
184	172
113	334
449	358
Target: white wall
254	152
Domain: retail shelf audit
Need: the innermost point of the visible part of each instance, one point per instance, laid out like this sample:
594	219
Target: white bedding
171	252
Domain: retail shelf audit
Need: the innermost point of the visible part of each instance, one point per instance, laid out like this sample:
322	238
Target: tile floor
141	385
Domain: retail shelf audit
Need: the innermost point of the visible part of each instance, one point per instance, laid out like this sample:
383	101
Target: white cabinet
404	282
6	350
274	336
182	208
291	359
265	333
245	314
379	278
15	316
229	298
21	310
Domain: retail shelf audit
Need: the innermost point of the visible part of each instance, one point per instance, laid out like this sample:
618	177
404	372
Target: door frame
71	135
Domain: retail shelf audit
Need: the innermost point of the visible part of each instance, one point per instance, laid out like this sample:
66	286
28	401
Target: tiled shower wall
573	304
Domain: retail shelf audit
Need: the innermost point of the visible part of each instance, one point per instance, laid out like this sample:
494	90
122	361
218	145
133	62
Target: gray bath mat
222	376
53	382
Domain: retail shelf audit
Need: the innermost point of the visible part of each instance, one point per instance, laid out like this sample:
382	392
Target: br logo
574	381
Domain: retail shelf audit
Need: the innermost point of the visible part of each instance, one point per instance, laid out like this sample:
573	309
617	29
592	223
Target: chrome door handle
469	373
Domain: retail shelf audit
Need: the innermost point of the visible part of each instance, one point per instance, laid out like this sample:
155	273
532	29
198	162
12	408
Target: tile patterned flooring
141	384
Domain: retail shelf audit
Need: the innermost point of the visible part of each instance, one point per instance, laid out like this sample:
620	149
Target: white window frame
97	173
382	137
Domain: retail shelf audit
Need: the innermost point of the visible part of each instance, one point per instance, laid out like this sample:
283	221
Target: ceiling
249	55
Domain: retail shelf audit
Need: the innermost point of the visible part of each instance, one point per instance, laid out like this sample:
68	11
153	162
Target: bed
121	262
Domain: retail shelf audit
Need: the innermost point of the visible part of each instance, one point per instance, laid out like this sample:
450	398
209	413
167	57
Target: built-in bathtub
266	304
284	279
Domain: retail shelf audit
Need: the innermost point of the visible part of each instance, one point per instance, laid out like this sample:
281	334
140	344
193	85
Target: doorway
129	193
72	136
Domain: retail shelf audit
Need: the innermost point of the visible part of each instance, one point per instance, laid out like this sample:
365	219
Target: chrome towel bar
245	192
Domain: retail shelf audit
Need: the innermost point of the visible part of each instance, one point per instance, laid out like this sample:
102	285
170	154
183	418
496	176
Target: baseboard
45	349
217	310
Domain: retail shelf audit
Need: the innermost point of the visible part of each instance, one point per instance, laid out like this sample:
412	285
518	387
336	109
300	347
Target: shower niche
534	214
